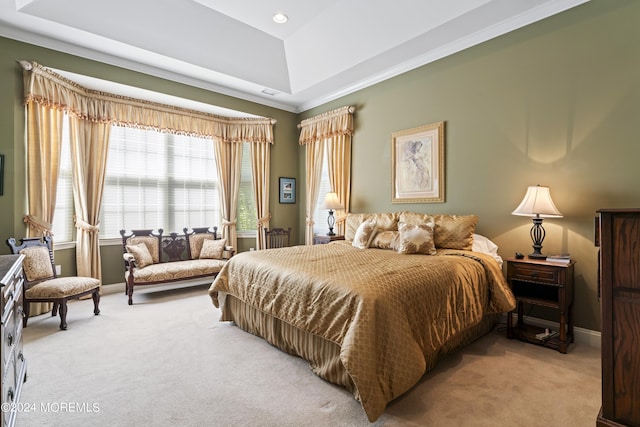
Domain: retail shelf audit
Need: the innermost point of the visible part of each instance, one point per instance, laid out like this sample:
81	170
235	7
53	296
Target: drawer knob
10	394
21	356
10	339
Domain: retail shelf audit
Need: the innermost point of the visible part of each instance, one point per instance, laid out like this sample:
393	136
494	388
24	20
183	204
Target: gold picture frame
417	164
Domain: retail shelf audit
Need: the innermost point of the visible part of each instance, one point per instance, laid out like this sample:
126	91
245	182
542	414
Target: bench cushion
168	271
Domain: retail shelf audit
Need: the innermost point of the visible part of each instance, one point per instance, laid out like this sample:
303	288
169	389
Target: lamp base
537	256
331	233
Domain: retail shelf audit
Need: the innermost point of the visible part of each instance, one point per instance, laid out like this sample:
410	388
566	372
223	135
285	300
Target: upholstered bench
151	258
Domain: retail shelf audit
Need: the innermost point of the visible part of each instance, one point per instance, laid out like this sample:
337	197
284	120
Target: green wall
556	103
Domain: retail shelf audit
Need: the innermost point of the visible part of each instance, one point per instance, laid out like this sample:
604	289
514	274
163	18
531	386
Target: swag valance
327	125
45	87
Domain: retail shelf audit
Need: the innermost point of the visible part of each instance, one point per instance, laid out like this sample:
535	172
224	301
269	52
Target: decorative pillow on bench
212	249
141	254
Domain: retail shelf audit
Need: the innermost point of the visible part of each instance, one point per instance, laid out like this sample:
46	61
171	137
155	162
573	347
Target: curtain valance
327	125
45	87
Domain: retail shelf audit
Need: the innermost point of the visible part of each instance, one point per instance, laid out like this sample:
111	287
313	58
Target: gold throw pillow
212	249
416	239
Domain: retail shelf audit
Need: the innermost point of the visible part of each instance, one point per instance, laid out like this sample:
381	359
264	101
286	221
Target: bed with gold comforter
372	320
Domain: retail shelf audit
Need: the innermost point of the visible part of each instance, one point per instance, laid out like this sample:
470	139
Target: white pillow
364	235
484	245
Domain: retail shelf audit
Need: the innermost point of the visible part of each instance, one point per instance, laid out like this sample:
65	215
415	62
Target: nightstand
320	239
542	283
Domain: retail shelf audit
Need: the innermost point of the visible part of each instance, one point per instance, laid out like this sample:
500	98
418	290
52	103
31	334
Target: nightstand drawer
534	273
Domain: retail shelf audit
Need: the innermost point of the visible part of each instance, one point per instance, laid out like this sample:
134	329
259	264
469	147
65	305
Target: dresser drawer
8	336
533	273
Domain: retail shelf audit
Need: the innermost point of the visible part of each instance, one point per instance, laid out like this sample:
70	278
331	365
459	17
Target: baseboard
580	335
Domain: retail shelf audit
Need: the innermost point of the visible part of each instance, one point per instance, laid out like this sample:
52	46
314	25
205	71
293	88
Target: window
156	180
247	211
321	214
62	224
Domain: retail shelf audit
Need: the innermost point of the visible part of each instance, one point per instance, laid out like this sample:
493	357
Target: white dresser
14	364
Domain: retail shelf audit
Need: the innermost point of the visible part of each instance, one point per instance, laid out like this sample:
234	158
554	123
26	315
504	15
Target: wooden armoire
618	235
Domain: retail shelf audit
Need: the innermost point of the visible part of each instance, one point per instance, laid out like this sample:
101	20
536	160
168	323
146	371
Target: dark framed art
287	190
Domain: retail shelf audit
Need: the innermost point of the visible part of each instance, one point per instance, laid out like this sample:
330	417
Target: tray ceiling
326	49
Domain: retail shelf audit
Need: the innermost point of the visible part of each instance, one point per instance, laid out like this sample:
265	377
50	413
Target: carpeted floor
167	361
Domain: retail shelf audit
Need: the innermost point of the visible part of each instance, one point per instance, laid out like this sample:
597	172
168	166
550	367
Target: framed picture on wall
417	164
287	190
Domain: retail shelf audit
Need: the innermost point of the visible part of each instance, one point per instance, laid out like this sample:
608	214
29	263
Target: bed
374	312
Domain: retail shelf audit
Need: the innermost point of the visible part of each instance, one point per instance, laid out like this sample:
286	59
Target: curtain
339	158
313	163
43	86
260	172
89	147
335	129
44	140
229	165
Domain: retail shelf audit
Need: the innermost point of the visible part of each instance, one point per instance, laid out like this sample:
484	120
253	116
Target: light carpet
167	361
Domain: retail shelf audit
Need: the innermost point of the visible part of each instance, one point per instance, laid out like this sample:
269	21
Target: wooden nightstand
320	239
546	284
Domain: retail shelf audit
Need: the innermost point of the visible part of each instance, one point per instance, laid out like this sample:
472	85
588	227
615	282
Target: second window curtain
332	129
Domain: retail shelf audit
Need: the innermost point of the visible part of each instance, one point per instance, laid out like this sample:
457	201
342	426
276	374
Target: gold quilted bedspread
390	313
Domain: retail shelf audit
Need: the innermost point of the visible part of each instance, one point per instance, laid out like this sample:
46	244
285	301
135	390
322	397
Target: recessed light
280	18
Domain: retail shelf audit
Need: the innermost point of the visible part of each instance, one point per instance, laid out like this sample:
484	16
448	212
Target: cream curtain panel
44	140
48	95
229	166
260	172
89	147
334	128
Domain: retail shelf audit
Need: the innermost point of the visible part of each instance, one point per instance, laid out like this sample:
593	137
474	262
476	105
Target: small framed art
287	190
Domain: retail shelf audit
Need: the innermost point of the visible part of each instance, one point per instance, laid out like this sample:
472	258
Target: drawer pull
21	356
10	339
10	394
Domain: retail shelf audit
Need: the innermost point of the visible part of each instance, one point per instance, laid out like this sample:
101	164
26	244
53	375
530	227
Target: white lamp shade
537	202
331	201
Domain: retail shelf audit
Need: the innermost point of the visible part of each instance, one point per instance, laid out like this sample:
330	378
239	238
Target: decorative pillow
212	249
416	239
414	218
37	263
141	254
385	240
195	243
364	235
455	231
151	242
383	220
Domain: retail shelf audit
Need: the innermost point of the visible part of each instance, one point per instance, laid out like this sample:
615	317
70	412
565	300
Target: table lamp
537	204
331	202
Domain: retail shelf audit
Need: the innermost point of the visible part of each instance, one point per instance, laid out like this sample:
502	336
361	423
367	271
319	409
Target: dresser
618	235
14	364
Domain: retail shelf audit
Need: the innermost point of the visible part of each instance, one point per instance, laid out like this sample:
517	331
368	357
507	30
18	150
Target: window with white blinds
321	214
62	224
155	180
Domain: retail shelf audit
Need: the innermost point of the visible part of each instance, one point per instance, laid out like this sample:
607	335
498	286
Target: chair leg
130	292
54	310
63	315
96	301
25	315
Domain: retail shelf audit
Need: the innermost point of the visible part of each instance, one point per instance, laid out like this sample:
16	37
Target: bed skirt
323	355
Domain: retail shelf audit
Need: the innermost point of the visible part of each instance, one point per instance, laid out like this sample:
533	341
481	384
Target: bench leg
63	315
130	293
96	301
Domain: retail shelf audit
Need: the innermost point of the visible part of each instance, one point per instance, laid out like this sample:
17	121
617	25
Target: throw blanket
390	313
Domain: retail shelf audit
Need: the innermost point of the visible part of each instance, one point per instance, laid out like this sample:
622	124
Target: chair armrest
128	257
228	252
